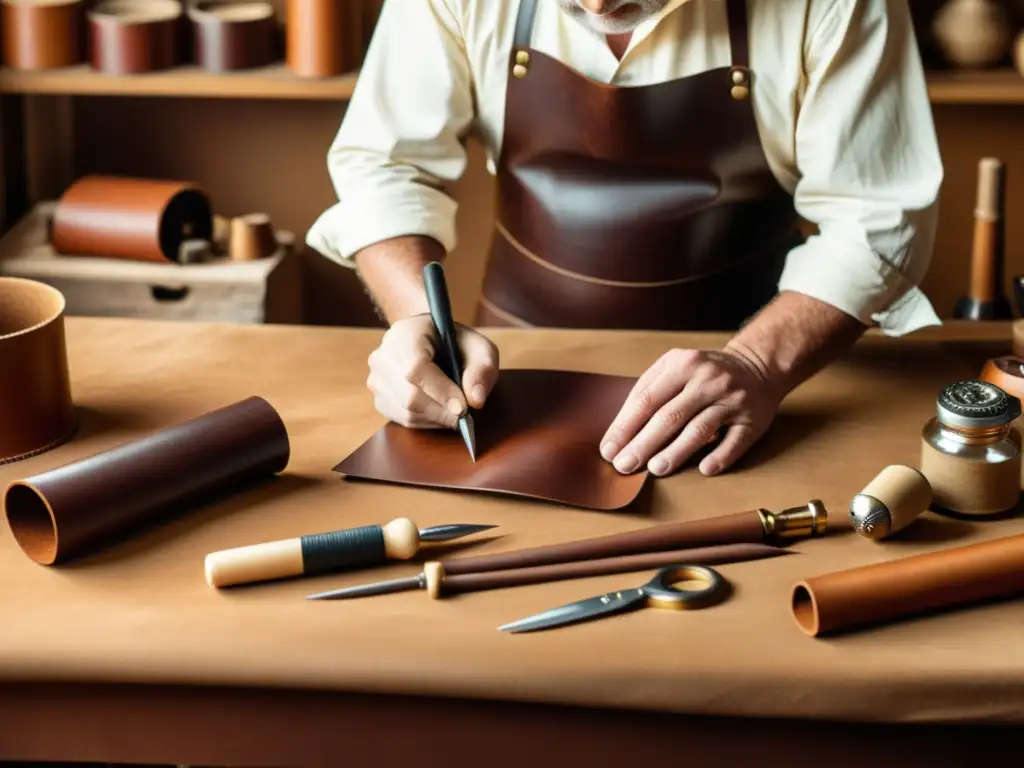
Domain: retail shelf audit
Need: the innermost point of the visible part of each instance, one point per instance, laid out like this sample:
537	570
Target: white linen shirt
839	97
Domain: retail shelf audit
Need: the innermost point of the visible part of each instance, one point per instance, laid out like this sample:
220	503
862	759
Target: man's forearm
392	272
794	337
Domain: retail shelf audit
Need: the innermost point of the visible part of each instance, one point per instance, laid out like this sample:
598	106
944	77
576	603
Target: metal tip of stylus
452	531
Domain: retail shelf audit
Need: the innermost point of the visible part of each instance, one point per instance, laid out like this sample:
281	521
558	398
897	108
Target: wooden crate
263	291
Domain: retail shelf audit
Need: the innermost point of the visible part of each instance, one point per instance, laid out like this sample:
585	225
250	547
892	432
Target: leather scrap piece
538	436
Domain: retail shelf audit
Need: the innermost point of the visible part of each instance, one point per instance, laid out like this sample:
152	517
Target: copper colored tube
73	509
514	577
754	526
36	409
129	218
43	34
315	37
881	592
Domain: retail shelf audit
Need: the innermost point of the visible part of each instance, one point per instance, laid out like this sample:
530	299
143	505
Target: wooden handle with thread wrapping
439	583
753	526
313	554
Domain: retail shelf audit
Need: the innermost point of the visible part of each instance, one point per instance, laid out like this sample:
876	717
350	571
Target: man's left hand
679	405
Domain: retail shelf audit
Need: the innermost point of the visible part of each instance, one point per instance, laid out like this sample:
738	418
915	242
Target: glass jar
971	450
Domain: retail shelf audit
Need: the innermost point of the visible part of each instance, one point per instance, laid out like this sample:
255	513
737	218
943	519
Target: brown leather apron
648	207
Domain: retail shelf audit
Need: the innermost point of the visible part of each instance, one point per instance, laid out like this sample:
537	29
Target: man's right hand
411	390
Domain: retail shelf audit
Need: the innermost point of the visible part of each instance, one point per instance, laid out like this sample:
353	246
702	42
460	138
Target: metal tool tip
452	531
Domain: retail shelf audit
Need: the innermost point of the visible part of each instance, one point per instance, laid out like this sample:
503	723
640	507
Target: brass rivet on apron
740	88
522	57
519	71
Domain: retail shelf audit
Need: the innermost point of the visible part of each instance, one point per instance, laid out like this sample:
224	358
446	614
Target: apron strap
737	13
524	23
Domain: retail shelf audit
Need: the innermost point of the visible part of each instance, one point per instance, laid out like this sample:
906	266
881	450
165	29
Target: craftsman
653	161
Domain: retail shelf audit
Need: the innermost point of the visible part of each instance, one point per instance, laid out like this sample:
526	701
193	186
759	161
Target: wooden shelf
1002	86
274	82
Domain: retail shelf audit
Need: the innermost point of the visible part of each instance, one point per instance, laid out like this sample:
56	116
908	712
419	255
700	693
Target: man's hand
678	406
682	401
411	390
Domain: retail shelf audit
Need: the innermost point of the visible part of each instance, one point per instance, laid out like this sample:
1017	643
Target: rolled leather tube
315	37
43	34
36	409
128	218
910	586
129	37
71	510
1007	373
233	35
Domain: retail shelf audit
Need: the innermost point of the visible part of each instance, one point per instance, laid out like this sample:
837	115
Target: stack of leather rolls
157	220
324	38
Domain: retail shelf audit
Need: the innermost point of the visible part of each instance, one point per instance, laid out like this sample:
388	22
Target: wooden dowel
753	526
439	583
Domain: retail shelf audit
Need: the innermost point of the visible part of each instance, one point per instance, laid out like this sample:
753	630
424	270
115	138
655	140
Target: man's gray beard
639	11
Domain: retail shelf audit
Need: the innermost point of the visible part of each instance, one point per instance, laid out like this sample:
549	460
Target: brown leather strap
737	13
524	23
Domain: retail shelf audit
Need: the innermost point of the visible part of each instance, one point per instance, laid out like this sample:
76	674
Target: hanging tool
438	583
752	526
327	552
659	592
449	360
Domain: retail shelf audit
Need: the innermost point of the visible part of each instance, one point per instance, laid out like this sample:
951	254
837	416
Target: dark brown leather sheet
538	435
142	612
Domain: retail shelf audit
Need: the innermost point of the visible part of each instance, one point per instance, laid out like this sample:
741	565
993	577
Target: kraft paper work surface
538	435
141	611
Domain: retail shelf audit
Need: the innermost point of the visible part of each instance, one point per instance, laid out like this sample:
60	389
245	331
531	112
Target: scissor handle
660	590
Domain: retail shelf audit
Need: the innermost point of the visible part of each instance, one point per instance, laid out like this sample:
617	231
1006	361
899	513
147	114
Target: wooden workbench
128	656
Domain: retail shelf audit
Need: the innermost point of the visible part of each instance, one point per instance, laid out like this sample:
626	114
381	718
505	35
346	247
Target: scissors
658	592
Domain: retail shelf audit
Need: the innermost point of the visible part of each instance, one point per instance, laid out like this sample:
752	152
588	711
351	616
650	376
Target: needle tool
319	553
755	526
448	360
659	592
439	584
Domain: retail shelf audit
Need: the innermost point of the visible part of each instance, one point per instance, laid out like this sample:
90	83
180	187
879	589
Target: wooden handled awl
438	583
327	552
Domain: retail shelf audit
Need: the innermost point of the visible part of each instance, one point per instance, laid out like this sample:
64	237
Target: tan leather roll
233	35
36	410
908	587
315	37
1007	373
130	218
43	34
133	36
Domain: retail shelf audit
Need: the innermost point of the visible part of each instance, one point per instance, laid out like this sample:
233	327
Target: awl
329	552
439	584
449	360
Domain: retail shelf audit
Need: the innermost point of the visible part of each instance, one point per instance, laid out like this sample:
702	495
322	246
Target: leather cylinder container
43	34
315	37
129	218
130	37
230	36
73	509
36	410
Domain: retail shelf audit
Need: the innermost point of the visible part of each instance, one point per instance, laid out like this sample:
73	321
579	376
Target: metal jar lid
974	404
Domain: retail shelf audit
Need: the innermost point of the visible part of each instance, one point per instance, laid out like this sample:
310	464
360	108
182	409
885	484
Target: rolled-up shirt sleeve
869	168
402	136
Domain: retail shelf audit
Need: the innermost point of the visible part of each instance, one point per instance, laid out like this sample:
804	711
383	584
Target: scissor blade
583	610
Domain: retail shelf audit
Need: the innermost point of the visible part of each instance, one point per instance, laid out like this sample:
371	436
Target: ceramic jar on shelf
974	34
